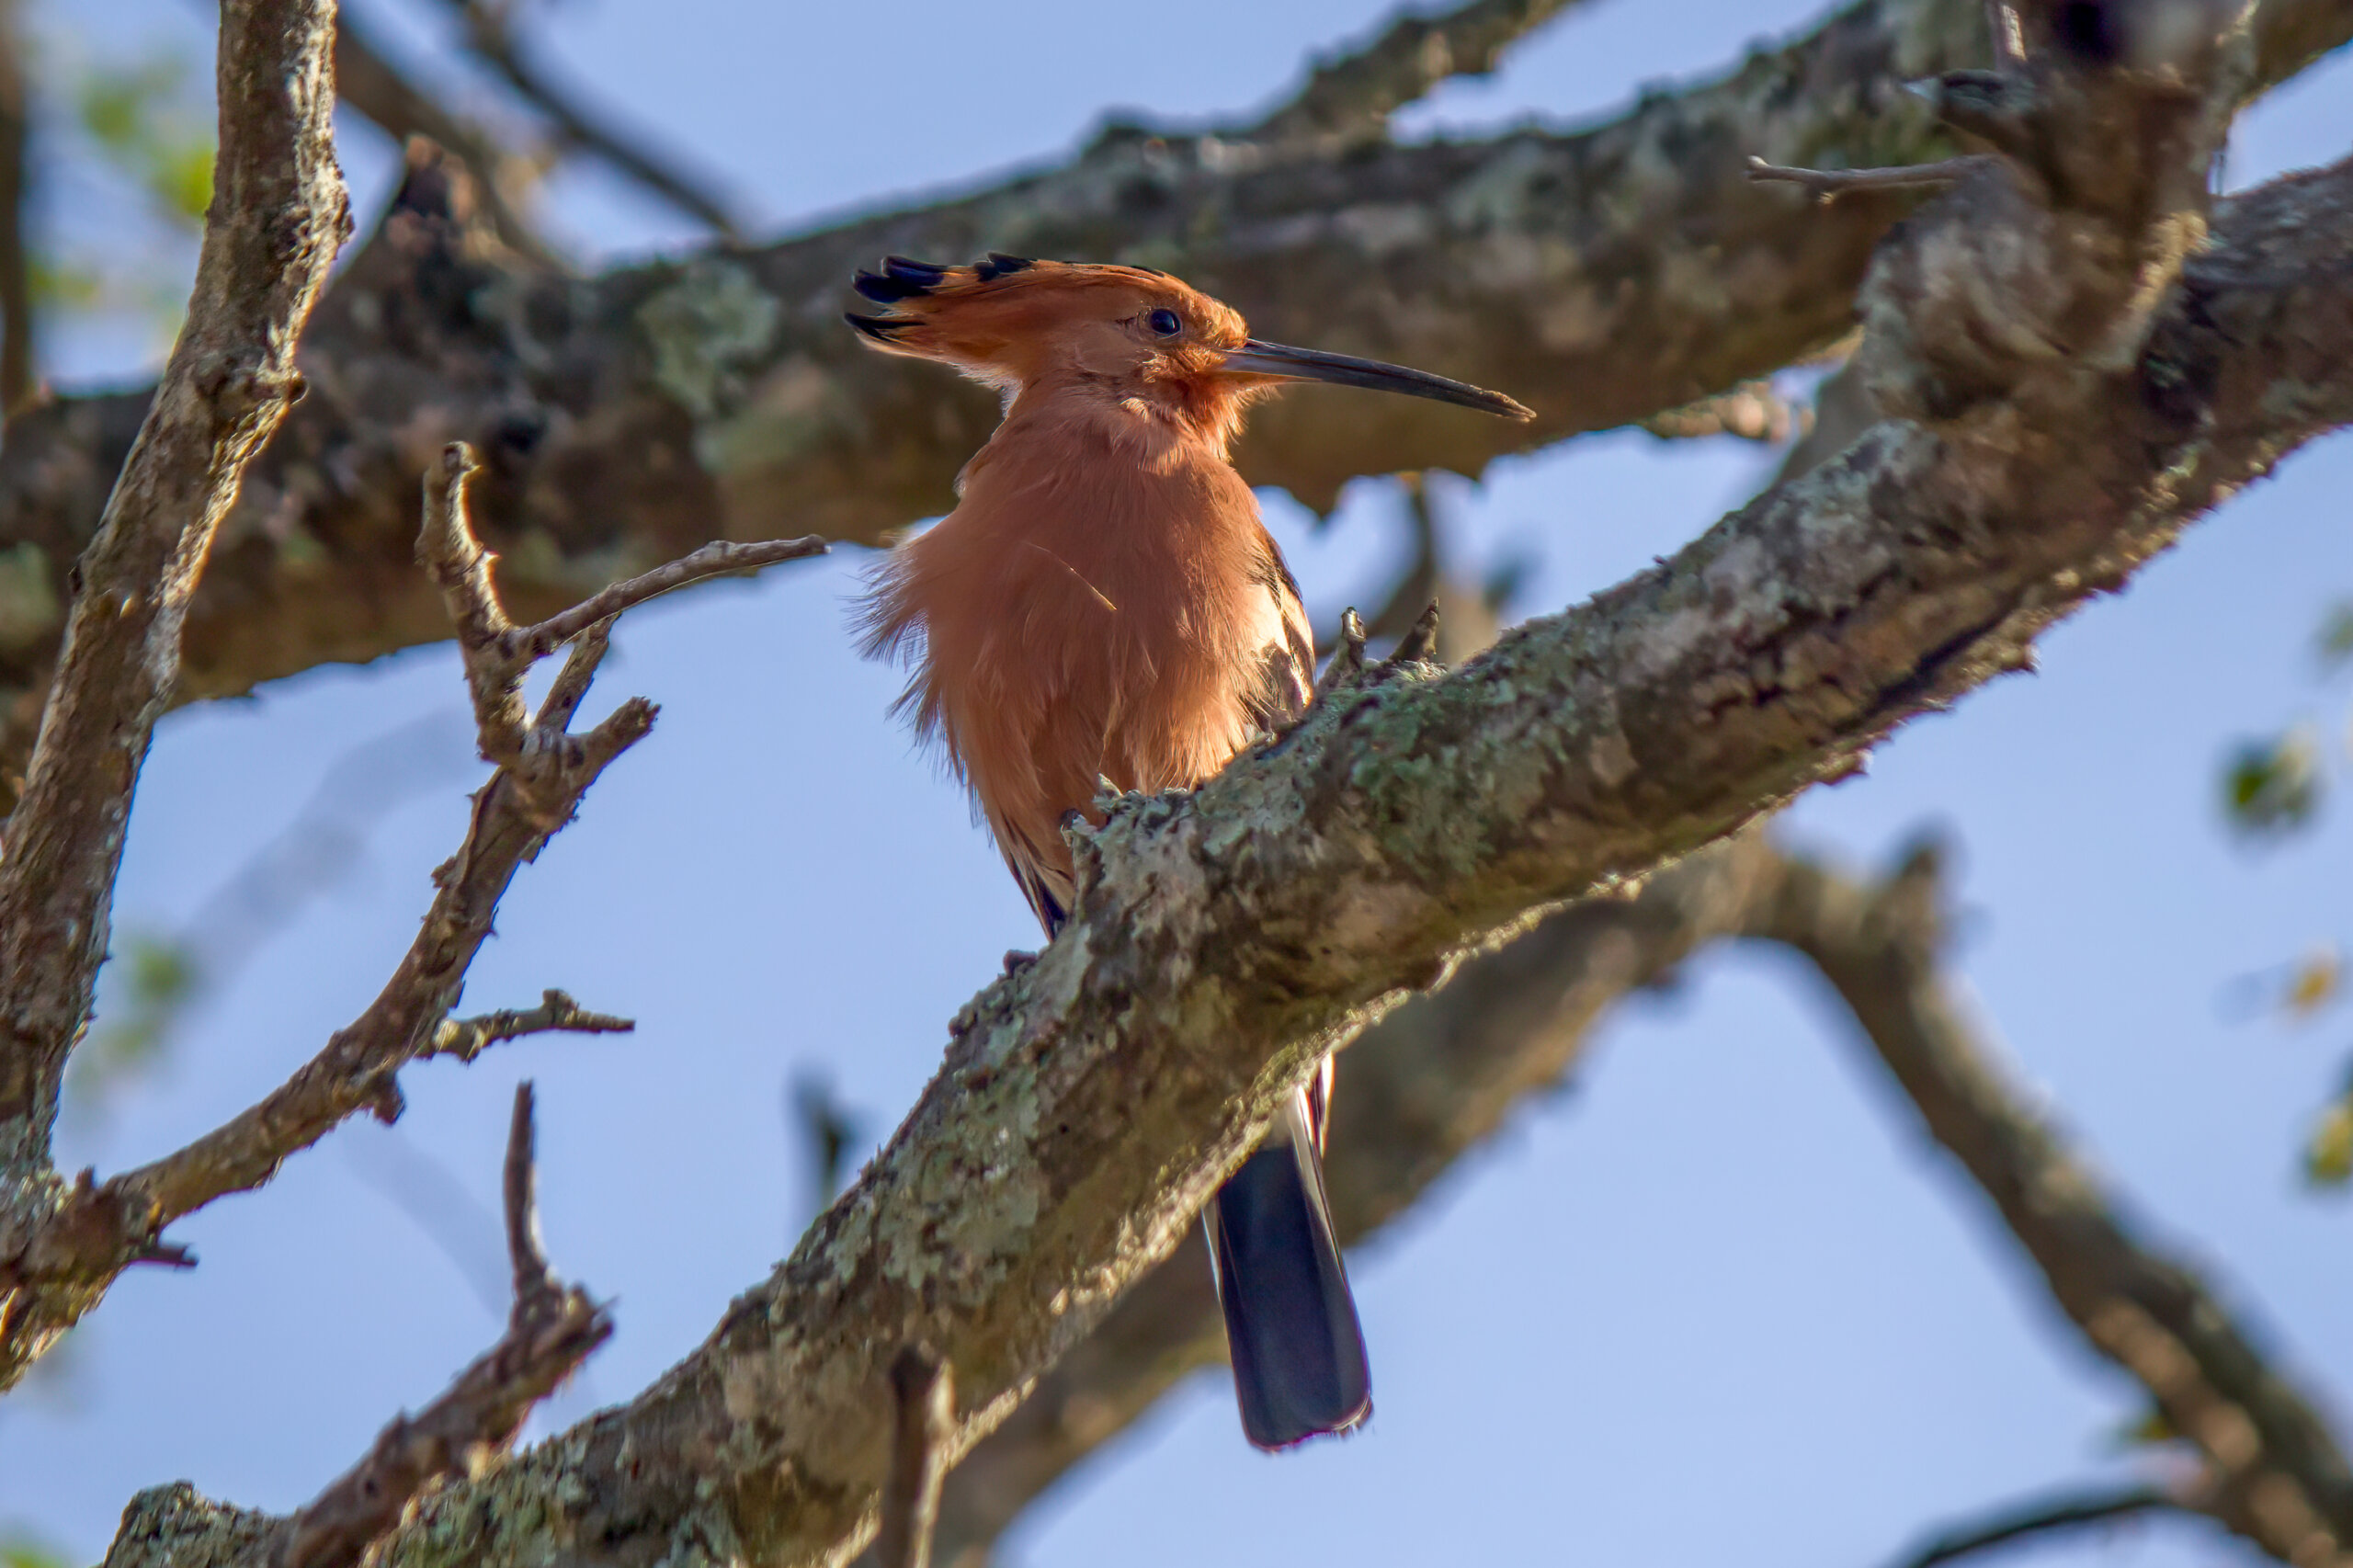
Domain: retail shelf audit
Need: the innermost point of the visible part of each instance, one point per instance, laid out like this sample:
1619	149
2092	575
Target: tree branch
550	1330
1602	276
923	1390
373	85
276	221
2064	1514
1222	941
1352	94
577	125
2280	1480
64	1263
1423	1087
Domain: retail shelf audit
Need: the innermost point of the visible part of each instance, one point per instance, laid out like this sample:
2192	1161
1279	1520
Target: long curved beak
1280	361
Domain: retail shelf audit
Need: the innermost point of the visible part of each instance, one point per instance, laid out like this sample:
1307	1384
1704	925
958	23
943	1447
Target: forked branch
544	770
550	1330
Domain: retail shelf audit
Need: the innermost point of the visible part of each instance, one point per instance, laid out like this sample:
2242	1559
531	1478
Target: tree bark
1601	276
1222	940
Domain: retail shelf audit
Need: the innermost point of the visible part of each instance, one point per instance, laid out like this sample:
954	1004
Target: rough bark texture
1601	276
278	217
1423	1087
1089	1103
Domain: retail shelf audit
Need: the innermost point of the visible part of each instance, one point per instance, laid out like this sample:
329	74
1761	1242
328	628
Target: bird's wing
1285	681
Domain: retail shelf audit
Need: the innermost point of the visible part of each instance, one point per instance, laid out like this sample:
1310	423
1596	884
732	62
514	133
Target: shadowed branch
2280	1478
1565	266
2041	1517
578	125
550	1330
922	1423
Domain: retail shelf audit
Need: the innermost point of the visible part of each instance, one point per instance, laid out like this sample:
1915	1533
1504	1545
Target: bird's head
1126	334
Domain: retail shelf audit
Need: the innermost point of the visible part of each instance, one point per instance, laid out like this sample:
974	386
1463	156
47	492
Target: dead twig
497	651
544	770
1753	410
550	1330
466	1038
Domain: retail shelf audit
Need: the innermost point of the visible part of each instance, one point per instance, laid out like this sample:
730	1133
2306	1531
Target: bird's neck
1157	426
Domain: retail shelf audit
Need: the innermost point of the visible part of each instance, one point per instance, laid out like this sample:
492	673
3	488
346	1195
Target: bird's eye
1165	322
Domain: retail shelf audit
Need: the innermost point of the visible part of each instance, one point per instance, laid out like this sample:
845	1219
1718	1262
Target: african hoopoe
1105	603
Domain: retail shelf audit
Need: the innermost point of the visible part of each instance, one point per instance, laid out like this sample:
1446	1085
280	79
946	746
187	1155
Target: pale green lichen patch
793	409
705	329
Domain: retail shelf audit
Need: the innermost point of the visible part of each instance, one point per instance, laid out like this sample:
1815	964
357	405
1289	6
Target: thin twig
2046	1516
466	1038
570	686
489	36
1346	665
1829	185
717	558
497	651
446	546
1417	646
550	1330
544	769
922	1419
1357	91
524	1251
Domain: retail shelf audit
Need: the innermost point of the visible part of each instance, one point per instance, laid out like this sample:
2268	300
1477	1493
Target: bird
1104	604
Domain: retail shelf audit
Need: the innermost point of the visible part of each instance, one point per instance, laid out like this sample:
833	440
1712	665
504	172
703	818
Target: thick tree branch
2280	1479
1352	94
277	216
63	1264
1222	941
1602	276
552	1329
1423	1087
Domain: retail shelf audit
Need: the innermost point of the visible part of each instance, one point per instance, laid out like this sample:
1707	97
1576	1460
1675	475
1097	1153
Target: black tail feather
1291	1325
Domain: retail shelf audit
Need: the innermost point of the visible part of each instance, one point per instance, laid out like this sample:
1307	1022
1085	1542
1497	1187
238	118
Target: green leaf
148	124
2272	788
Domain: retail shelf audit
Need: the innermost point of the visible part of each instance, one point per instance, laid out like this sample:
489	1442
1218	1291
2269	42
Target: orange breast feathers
1103	602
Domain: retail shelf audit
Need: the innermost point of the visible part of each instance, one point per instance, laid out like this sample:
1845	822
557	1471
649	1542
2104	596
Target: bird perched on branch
1105	604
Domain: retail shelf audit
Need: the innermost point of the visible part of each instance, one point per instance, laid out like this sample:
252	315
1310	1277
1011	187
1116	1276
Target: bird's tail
1290	1324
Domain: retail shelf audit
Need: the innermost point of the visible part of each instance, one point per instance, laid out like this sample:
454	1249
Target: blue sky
1722	1300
